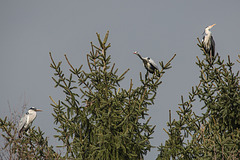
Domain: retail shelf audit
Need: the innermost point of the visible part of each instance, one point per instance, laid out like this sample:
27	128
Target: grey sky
29	30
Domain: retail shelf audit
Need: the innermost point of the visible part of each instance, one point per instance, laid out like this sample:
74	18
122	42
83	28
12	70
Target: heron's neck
208	32
31	112
140	56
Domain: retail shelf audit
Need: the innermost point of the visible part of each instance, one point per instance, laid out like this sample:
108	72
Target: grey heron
27	120
148	63
208	43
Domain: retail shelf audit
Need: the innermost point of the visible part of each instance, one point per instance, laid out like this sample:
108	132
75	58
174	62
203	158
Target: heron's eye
148	58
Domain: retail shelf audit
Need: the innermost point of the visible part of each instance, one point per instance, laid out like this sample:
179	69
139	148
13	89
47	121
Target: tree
98	119
33	145
215	133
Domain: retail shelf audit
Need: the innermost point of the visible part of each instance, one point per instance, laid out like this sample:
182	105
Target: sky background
29	30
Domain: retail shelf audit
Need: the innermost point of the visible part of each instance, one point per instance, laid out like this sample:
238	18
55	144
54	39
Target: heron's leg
19	134
146	76
211	58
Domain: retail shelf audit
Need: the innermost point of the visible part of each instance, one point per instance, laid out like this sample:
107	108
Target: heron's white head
135	52
35	109
207	29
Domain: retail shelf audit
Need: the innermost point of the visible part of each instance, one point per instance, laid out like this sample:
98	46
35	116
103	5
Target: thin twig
53	100
69	62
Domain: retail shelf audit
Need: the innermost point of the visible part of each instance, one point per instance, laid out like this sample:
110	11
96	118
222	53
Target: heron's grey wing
22	122
153	63
203	38
212	46
31	118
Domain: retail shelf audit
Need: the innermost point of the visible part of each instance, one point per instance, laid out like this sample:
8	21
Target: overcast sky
29	30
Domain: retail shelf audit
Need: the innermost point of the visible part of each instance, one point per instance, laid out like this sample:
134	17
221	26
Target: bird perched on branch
208	43
148	63
27	120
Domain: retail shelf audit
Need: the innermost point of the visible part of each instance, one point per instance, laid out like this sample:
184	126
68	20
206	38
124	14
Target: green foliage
215	133
98	119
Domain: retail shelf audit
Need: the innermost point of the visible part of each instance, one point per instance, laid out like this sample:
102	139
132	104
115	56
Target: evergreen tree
215	133
32	145
98	119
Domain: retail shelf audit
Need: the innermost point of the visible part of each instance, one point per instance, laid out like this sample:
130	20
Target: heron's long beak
38	110
212	25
